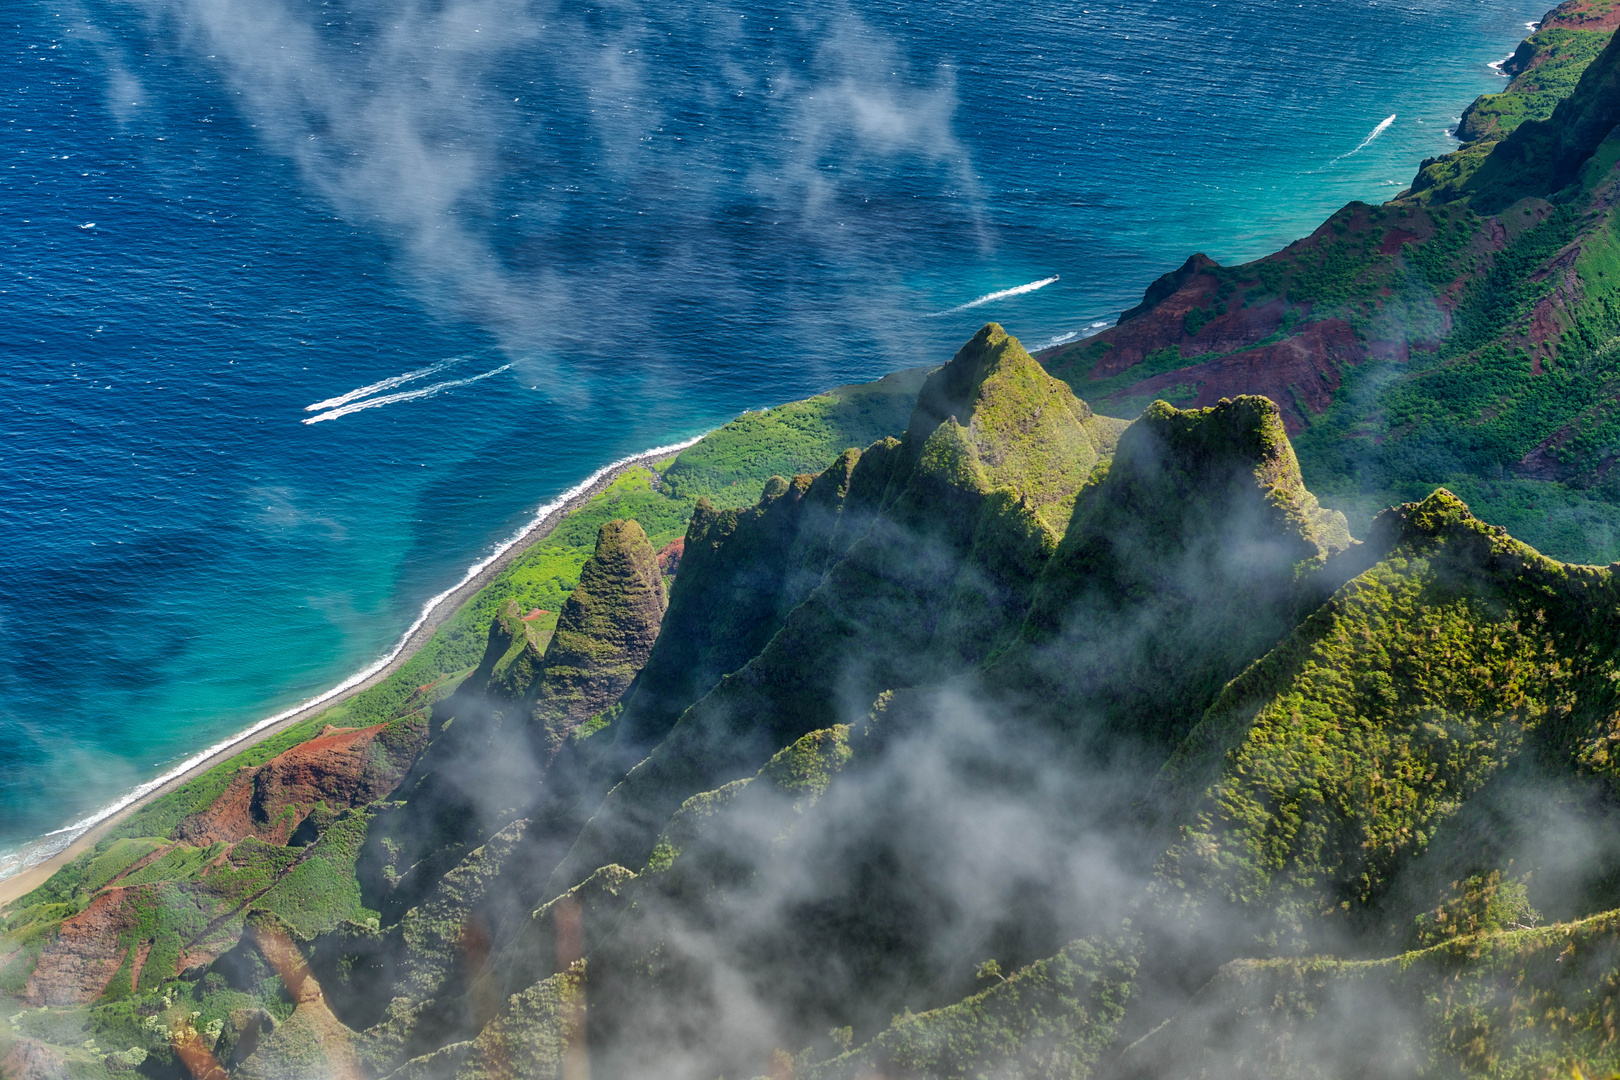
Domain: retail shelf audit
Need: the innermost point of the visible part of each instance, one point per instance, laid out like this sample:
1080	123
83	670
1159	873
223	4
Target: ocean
306	305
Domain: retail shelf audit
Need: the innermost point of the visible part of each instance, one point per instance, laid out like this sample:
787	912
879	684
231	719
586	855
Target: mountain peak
953	390
1167	284
1198	546
1024	430
1193	453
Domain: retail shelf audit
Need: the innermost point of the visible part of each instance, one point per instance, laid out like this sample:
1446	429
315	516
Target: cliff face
1461	653
338	768
1544	69
513	657
604	635
324	900
1178	568
936	568
726	608
1330	769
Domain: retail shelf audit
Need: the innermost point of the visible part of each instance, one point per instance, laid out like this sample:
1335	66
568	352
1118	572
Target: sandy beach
22	883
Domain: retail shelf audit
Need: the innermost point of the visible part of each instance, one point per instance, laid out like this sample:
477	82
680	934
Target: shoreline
434	614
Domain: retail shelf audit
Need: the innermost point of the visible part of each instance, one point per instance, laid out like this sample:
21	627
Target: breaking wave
1090	330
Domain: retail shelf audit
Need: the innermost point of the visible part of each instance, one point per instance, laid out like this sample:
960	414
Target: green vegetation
1336	273
994	456
166	904
800	437
1343	755
1030	743
1530	1003
1466	333
320	890
729	465
1055	1017
604	635
805	768
1158	362
1551	63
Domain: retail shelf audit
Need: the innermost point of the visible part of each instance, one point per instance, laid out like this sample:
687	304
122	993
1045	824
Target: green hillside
1225	695
1464	333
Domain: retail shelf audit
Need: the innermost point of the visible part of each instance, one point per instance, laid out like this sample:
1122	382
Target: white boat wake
1002	294
384	384
354	406
1383	126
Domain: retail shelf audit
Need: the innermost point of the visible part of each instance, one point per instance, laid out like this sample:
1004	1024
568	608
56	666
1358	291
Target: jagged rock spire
604	635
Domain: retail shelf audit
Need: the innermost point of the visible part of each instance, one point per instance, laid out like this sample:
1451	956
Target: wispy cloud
575	180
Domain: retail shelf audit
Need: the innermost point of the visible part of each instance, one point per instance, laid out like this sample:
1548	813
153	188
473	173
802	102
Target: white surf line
390	399
1383	126
1090	330
69	833
385	384
1017	290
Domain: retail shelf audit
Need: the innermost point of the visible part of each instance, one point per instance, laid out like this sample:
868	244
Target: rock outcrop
30	1059
1184	563
340	767
604	635
85	953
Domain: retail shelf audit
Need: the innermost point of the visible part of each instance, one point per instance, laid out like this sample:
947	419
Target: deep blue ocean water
634	220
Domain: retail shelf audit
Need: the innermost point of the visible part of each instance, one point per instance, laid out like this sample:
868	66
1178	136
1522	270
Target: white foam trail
1017	290
390	399
385	384
59	839
1383	126
1090	330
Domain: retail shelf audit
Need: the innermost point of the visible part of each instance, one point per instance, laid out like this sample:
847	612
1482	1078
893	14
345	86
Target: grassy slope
802	437
1353	750
1549	63
1344	755
1526	1003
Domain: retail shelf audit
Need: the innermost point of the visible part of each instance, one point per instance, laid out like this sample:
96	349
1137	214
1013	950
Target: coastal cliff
1164	704
1461	333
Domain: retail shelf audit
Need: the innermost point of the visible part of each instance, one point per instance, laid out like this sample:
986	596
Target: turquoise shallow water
580	233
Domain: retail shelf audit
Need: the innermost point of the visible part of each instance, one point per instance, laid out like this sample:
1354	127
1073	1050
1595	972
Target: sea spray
57	840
